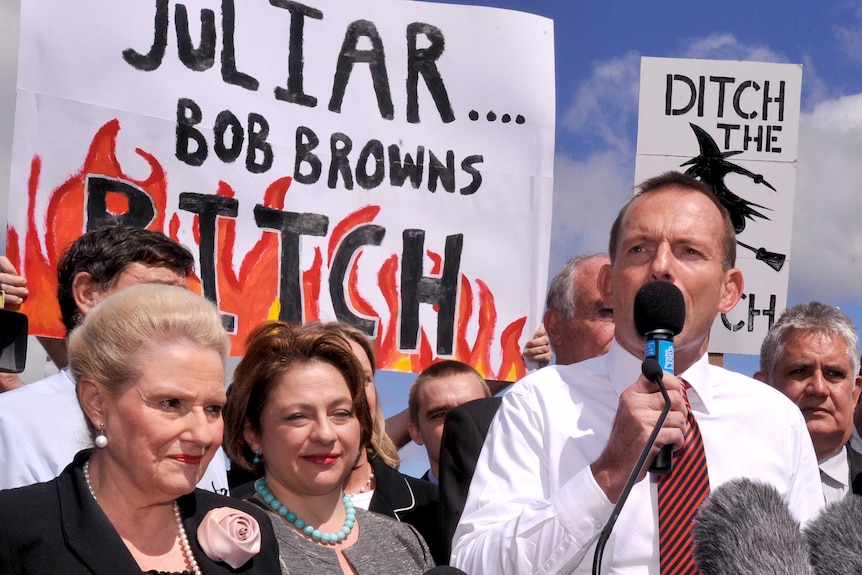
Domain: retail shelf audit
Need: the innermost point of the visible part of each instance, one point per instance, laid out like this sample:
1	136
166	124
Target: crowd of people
136	457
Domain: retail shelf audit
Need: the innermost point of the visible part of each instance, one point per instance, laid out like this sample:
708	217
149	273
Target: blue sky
598	50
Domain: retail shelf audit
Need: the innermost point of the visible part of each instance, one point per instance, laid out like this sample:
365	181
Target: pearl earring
101	439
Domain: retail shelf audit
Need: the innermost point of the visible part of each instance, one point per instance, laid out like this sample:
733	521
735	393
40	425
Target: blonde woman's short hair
104	348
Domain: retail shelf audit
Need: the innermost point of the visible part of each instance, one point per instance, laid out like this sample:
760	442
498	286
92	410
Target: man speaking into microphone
566	438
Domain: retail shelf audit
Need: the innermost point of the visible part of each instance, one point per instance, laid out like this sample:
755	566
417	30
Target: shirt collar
697	376
67	373
623	369
837	467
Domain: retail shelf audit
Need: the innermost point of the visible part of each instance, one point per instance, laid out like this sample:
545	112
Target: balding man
579	325
566	438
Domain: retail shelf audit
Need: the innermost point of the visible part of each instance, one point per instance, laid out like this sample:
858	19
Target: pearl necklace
184	538
300	524
365	487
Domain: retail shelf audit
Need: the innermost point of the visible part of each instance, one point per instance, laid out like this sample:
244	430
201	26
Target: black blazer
413	501
855	459
464	432
58	528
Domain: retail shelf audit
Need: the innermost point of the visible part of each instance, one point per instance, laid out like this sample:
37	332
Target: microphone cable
653	372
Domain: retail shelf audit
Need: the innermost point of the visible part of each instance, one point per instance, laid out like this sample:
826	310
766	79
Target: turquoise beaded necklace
300	524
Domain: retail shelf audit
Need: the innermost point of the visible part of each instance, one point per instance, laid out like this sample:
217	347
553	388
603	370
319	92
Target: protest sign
734	125
388	164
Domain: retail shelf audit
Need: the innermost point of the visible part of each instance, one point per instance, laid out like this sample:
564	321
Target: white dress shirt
42	427
835	476
534	506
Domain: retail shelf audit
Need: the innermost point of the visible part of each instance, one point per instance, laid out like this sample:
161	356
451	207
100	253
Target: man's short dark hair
680	181
106	252
439	370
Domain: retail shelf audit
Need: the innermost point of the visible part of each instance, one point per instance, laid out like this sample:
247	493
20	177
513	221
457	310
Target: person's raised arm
396	428
14	292
13	285
538	349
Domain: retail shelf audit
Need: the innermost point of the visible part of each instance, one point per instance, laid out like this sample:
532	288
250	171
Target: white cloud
587	196
605	105
814	88
826	254
727	47
849	36
850	41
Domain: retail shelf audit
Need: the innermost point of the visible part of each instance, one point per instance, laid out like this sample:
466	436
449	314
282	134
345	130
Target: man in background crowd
439	388
578	323
811	355
856	437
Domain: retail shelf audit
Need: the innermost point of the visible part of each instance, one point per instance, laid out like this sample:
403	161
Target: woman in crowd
149	366
298	412
375	483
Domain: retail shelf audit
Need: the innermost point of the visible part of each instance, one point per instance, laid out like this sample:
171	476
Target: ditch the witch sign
387	164
735	126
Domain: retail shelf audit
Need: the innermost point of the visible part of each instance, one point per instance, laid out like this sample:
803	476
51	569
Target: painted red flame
258	273
64	222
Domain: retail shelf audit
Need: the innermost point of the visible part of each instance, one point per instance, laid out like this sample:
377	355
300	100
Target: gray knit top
385	547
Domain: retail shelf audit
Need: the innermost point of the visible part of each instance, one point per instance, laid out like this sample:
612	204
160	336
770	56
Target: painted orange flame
258	273
64	222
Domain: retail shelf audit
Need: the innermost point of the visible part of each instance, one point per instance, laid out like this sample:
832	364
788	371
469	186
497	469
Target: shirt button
598	524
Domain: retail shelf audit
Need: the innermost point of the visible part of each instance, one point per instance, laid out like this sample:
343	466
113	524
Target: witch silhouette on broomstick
710	167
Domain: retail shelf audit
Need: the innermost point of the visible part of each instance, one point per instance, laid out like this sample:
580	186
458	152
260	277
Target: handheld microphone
659	314
659	311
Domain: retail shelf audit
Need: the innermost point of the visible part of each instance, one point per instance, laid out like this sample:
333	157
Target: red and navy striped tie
680	493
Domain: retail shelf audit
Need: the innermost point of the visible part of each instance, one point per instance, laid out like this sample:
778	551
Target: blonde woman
149	367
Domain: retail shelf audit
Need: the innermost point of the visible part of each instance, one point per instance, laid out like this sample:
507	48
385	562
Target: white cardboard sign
384	163
734	125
